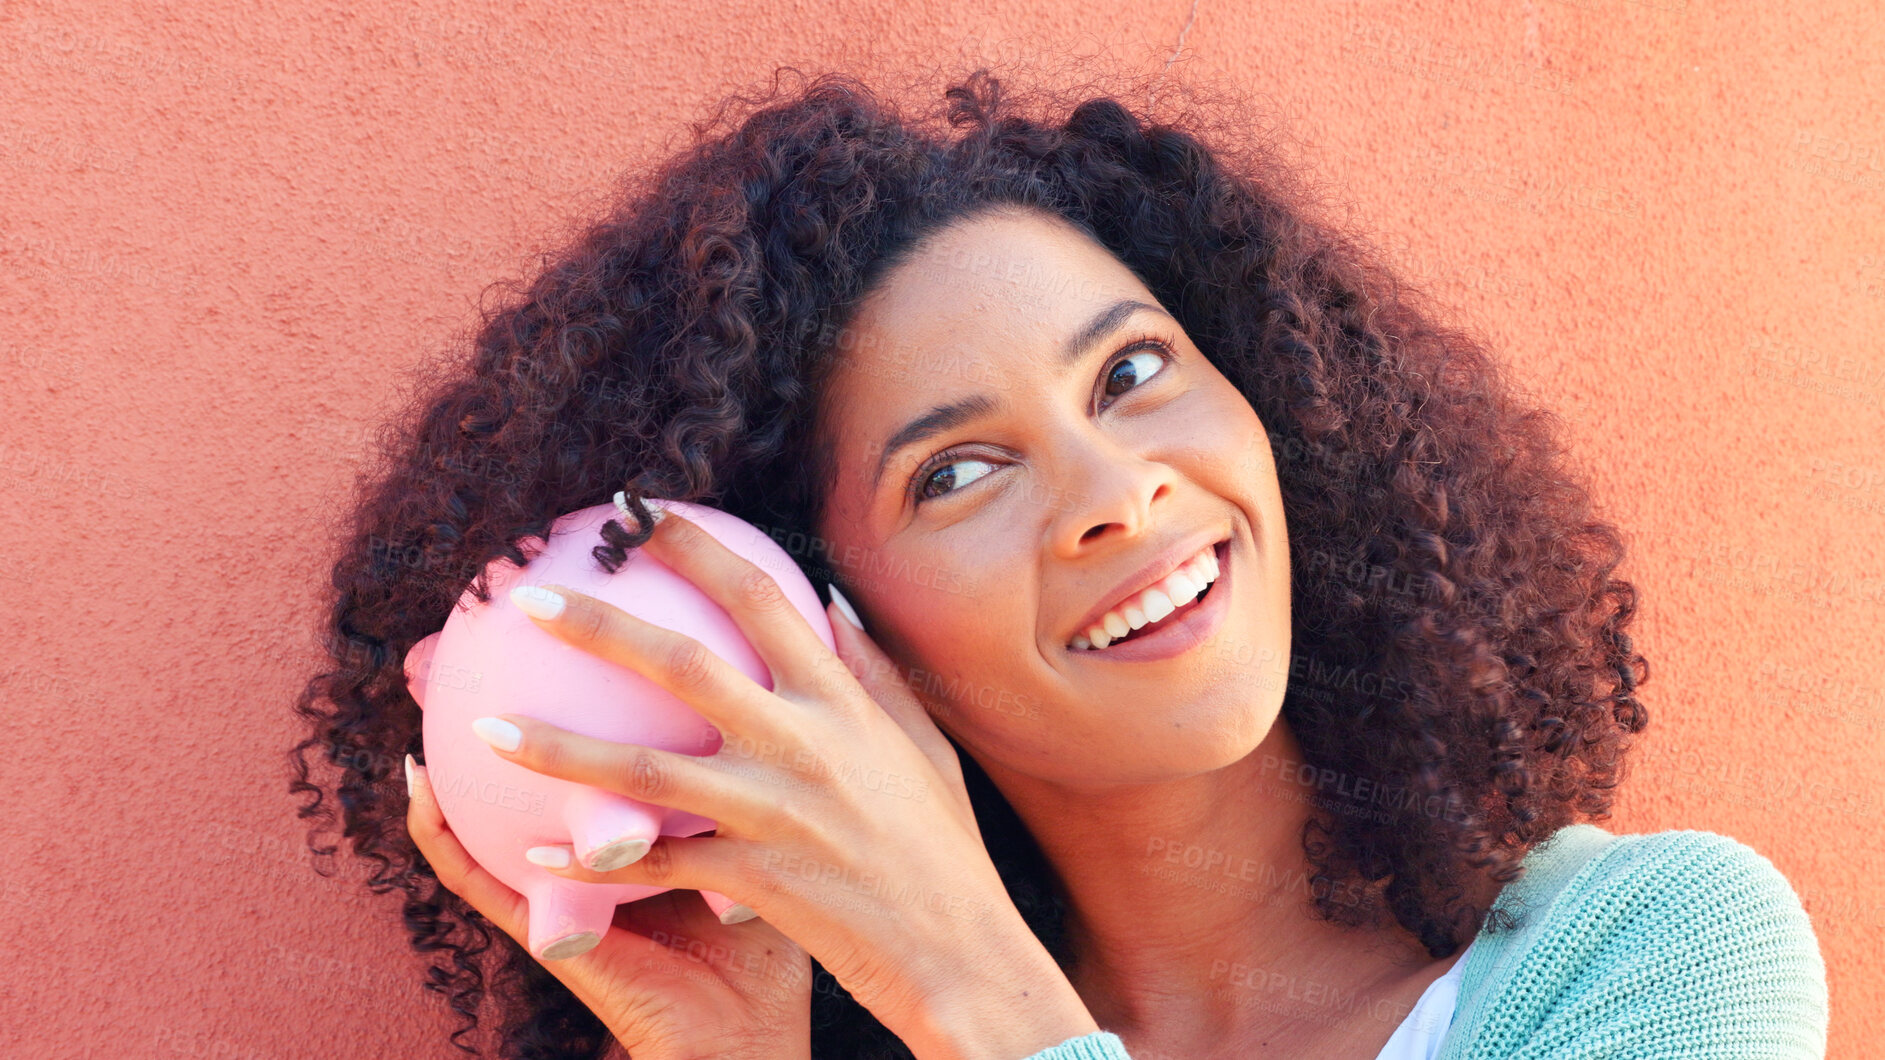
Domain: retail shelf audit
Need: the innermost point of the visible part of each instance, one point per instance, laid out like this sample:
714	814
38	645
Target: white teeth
1181	588
1178	589
1157	605
1203	570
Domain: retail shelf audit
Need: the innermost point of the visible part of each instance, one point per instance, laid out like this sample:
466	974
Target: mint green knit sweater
1678	944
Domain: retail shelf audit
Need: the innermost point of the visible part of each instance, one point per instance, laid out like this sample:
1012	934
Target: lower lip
1180	633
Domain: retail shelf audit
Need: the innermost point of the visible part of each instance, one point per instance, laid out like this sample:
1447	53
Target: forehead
1000	267
983	305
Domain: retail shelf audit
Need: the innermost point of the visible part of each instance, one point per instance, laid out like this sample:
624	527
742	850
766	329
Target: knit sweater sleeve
1679	944
1100	1045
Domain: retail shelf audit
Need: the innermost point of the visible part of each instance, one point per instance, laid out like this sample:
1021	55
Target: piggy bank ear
419	666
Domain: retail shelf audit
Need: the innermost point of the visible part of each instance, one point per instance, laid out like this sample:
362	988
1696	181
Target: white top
1420	1034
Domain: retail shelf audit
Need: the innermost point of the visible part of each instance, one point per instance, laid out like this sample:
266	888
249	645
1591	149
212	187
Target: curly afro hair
1458	640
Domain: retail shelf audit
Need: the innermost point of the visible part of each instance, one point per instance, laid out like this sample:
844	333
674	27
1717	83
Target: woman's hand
842	815
668	980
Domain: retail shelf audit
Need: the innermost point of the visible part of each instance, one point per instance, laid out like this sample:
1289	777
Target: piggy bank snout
418	666
491	659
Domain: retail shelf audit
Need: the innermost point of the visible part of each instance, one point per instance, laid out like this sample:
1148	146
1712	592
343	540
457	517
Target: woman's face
1048	451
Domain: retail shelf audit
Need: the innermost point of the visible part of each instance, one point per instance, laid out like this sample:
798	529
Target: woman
1232	666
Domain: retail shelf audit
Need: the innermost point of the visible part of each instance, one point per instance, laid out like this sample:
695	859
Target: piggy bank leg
609	831
728	910
567	918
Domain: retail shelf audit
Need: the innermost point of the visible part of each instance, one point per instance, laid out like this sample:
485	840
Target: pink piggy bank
492	659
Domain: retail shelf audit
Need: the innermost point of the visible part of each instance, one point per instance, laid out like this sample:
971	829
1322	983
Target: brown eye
945	475
1130	371
1134	365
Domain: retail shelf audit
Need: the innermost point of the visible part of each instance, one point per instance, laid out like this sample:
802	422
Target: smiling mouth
1154	627
1086	642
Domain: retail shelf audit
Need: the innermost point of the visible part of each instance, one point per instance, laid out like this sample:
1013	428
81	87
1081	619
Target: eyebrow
969	409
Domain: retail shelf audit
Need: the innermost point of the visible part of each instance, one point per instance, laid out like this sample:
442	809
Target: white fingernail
628	516
737	914
537	602
498	733
548	857
845	609
412	787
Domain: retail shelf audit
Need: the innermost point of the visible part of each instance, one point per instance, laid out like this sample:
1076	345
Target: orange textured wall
227	232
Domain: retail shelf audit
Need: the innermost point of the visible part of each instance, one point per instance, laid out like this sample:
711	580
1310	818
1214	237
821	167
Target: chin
1178	751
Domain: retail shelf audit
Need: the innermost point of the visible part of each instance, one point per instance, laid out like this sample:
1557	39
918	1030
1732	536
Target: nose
1112	494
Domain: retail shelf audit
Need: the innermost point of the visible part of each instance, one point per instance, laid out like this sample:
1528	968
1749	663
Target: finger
457	871
750	595
461	874
888	686
685	667
685	912
679	922
646	774
691	863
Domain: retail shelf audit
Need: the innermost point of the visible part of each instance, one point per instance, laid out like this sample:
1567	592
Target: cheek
924	609
965	642
945	617
1224	433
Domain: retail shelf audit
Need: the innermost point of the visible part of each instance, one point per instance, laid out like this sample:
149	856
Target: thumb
887	684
